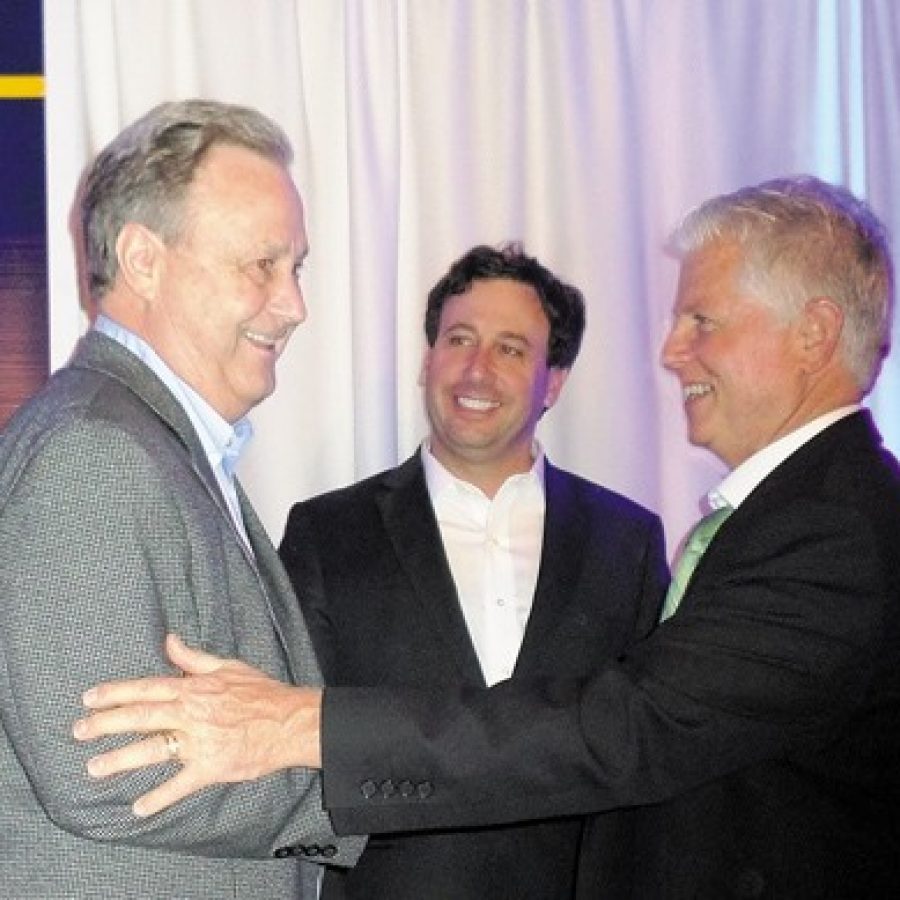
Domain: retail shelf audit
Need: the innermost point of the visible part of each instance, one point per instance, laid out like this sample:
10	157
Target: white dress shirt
494	550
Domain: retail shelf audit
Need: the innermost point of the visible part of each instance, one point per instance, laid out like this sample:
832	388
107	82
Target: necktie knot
697	542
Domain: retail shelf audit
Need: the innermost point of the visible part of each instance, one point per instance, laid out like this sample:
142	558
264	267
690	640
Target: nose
676	348
289	302
478	363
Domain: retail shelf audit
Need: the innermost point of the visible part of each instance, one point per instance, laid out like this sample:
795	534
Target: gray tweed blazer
112	532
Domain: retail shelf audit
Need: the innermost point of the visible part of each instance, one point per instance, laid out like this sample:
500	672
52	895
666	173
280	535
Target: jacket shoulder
600	500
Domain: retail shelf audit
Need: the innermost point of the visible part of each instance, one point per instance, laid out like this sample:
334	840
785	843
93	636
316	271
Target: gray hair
803	238
144	174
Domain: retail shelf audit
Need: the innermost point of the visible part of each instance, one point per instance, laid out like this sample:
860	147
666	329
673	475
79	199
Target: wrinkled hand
231	722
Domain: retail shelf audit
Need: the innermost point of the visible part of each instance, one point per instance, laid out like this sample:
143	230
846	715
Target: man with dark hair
757	729
476	561
562	303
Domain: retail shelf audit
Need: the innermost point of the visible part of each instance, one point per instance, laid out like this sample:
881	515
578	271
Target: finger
189	659
148	752
134	690
181	785
138	718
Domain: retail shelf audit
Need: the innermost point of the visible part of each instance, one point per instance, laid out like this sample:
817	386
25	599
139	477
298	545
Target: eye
265	267
458	340
297	271
703	323
260	271
512	350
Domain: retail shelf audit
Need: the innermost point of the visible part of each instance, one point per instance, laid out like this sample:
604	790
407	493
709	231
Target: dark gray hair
144	174
802	237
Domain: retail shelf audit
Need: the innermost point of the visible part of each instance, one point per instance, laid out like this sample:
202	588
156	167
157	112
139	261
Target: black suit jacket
759	727
369	568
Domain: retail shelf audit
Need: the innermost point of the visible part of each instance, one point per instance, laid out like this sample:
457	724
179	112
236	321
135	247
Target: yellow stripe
23	87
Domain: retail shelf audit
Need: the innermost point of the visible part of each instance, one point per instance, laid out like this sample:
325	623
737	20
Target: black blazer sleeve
787	646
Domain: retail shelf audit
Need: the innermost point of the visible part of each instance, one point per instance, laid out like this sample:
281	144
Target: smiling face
226	297
743	371
487	381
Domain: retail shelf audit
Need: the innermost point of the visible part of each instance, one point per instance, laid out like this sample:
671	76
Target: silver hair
144	174
801	238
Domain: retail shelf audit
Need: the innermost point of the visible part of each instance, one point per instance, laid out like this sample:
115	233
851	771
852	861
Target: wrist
305	724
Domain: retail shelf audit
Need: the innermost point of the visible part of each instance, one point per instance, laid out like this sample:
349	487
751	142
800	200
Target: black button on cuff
368	789
424	789
372	790
388	788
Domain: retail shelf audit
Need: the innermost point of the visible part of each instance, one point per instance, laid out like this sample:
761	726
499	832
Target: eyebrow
270	248
515	336
503	335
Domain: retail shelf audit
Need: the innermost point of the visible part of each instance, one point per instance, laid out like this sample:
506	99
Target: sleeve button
424	789
388	788
368	789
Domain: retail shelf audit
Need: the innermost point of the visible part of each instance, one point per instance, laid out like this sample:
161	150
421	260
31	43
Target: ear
140	254
820	326
556	380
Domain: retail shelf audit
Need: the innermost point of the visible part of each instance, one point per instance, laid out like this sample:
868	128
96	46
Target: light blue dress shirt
222	442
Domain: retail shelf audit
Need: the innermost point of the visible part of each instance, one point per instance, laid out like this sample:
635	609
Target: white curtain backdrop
584	128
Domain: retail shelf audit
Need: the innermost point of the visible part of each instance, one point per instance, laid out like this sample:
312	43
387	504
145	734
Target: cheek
444	369
758	385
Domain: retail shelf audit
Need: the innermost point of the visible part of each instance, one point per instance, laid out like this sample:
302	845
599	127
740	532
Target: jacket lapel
101	353
284	609
412	529
562	558
853	433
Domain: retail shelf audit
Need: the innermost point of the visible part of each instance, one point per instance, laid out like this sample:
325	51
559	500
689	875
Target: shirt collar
223	443
740	482
440	480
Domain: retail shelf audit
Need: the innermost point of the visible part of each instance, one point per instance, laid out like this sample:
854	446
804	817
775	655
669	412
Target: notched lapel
99	352
411	527
282	605
562	559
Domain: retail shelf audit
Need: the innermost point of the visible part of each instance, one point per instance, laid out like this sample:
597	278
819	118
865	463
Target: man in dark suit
476	561
759	725
120	519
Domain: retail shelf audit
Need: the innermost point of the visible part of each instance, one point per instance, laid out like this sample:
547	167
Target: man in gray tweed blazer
121	520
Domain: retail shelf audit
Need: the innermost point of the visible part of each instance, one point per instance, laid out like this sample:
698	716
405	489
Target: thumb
190	660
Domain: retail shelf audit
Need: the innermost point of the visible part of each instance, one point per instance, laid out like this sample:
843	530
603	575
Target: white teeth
476	404
695	390
262	340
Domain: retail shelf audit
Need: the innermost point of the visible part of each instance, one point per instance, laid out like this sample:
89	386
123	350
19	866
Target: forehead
712	270
246	190
499	302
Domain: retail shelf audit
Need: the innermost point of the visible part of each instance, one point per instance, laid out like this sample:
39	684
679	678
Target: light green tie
694	548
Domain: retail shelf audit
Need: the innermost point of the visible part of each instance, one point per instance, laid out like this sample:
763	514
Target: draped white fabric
584	128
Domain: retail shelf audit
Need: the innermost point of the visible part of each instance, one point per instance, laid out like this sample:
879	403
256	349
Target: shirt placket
500	612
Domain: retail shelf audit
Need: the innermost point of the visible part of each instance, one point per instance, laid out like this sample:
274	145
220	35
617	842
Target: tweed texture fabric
113	532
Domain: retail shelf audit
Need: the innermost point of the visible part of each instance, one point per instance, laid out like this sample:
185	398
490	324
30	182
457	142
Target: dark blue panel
22	190
20	37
